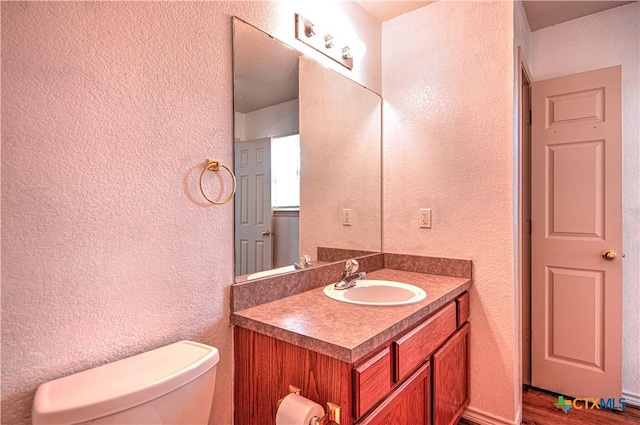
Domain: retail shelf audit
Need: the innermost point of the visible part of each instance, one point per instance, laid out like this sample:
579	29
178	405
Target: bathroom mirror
307	158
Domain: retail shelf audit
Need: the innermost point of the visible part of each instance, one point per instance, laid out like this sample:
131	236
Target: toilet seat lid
121	385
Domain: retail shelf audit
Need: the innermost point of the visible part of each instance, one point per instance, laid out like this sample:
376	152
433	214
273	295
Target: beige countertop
344	331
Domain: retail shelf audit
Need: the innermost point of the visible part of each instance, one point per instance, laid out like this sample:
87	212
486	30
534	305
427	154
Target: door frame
524	192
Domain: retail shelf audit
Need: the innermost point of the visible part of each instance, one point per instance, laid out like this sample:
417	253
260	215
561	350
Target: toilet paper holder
333	410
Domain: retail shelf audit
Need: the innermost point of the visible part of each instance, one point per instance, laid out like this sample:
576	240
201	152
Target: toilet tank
169	385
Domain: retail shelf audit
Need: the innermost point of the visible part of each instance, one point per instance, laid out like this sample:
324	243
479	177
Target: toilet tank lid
121	385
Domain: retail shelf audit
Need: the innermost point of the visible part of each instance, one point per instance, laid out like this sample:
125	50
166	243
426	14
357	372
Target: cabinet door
451	378
409	404
265	367
371	382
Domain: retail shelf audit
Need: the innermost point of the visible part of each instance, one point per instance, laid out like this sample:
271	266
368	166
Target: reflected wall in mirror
307	145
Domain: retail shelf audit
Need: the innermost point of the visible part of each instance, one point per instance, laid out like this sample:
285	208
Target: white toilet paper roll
297	410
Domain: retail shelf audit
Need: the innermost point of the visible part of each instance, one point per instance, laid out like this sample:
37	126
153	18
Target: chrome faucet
304	262
349	276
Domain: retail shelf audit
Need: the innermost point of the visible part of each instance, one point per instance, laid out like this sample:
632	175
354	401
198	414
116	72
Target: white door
576	206
253	206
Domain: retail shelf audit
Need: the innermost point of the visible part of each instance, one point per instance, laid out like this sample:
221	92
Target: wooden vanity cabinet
415	346
451	378
371	381
408	404
418	377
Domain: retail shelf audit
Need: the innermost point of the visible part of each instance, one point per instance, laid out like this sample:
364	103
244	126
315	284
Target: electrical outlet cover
346	217
425	218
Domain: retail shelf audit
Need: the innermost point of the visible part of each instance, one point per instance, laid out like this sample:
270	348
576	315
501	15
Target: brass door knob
268	233
609	254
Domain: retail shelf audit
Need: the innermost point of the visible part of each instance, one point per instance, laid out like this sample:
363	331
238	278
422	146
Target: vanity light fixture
328	41
309	30
306	31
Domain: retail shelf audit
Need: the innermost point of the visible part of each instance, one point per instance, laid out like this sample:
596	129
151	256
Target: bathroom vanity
381	365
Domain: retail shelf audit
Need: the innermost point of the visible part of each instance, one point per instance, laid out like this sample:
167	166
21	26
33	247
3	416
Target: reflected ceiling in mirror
307	153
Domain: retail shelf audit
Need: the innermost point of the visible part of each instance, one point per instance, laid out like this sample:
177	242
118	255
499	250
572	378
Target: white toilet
169	385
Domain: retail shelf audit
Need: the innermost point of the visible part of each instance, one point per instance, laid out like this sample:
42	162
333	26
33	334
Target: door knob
268	232
609	254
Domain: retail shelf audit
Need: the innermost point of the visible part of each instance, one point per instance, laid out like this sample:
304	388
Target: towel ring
214	165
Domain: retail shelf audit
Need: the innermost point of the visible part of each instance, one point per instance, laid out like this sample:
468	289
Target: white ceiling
385	10
540	14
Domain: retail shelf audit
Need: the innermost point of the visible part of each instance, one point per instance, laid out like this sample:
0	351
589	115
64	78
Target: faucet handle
303	262
350	267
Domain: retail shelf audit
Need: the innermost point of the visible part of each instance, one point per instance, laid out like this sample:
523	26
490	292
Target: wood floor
538	409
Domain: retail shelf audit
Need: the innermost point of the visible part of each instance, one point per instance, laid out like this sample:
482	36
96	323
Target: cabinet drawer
372	381
409	403
463	308
415	347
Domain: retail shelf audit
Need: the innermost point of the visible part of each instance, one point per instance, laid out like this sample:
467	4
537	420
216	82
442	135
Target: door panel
577	303
577	214
581	107
575	172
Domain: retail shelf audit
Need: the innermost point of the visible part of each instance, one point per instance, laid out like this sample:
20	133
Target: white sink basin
377	292
272	272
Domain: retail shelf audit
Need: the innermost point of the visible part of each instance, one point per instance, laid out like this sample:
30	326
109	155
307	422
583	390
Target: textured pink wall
340	162
606	39
448	145
108	112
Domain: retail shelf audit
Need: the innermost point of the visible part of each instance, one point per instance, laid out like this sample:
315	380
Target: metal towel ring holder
214	165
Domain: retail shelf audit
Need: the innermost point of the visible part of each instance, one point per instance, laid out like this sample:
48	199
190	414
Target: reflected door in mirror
253	206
